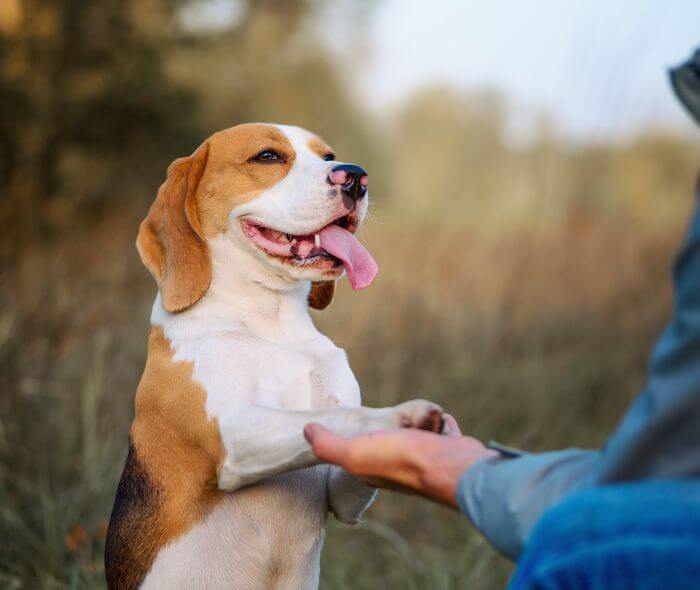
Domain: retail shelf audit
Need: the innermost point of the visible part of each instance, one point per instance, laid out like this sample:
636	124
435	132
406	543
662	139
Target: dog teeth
294	240
317	240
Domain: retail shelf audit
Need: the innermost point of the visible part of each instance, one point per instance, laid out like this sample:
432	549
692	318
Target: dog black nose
352	180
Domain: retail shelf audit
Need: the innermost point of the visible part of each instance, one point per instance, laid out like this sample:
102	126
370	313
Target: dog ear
321	294
170	240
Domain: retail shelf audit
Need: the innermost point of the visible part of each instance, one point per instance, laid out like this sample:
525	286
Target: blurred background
531	174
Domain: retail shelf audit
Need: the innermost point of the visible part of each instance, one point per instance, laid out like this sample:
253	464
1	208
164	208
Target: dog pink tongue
359	264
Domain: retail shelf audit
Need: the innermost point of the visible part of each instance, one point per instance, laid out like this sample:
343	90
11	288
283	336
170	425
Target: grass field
536	338
523	277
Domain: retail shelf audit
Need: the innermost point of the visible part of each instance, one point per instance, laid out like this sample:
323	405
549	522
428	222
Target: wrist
440	467
437	470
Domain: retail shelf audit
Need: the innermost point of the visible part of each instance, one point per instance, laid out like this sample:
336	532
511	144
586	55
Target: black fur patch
131	538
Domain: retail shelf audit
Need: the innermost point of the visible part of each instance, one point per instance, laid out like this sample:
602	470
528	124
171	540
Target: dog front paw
421	414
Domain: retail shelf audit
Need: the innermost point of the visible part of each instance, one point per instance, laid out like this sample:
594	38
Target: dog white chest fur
267	535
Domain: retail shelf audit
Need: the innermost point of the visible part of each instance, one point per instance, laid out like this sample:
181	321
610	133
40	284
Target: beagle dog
220	488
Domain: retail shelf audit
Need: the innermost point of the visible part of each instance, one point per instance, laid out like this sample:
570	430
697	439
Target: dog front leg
260	442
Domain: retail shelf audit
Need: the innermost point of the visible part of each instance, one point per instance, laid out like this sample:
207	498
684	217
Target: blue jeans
631	536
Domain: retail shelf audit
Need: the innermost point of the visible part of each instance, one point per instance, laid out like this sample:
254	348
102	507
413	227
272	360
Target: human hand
406	459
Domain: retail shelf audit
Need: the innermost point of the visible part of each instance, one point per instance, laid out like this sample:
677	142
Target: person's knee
557	536
578	518
619	510
607	527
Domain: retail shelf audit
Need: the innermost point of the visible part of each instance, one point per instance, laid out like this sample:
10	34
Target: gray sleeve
505	497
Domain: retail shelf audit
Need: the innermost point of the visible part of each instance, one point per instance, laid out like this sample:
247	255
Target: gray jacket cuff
504	498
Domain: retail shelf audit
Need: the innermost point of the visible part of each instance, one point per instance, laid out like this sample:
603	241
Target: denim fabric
633	536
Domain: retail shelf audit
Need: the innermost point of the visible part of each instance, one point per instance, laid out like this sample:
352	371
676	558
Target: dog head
273	191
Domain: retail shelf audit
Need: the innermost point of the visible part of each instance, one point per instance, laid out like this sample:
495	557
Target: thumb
325	444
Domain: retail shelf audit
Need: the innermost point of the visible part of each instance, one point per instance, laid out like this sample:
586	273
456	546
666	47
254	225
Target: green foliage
84	90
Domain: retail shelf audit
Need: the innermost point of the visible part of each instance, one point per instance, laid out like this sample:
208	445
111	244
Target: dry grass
538	339
529	311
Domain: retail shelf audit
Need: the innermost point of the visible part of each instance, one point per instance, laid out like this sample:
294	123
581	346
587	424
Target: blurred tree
97	97
82	91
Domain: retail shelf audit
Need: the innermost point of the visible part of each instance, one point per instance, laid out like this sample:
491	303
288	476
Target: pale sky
598	65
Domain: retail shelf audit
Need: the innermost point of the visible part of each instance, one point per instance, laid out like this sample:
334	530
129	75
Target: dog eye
268	156
329	157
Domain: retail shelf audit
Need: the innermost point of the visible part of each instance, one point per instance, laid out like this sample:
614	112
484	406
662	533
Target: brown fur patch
319	147
194	203
232	179
170	240
169	482
321	294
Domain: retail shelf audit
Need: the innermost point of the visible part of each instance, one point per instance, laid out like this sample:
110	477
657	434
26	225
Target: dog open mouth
336	242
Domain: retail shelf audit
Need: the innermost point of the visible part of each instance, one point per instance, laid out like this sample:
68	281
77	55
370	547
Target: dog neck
247	295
